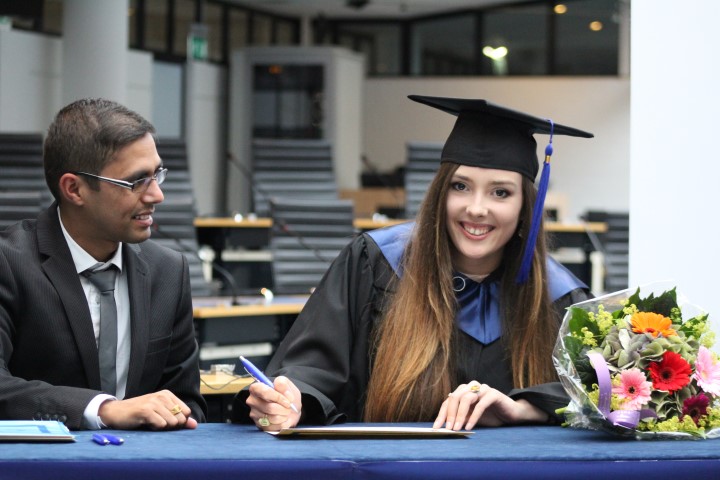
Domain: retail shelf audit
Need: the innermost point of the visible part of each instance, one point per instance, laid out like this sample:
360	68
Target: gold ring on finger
475	388
176	409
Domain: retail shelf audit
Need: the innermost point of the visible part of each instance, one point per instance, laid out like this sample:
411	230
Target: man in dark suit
103	169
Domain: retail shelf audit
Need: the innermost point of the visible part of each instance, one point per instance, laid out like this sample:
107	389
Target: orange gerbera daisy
652	323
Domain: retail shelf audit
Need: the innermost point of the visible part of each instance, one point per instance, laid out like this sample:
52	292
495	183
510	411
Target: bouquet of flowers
632	365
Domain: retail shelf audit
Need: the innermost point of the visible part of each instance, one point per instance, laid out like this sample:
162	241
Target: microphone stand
227	276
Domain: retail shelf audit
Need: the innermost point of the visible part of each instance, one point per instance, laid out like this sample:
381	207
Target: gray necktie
107	344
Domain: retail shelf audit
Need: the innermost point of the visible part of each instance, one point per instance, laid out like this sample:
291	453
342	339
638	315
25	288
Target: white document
371	431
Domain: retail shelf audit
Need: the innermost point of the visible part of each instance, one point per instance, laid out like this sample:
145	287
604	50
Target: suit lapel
139	293
60	270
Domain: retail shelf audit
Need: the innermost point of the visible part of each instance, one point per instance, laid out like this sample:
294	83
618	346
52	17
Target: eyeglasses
139	185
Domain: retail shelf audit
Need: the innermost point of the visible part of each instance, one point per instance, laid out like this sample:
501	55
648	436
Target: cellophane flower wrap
638	363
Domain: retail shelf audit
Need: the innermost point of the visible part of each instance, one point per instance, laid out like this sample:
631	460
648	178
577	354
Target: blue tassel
537	216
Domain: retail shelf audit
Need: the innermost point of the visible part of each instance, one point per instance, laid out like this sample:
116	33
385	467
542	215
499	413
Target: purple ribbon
622	418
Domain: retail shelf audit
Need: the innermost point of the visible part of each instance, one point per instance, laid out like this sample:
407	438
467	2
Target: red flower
696	407
671	374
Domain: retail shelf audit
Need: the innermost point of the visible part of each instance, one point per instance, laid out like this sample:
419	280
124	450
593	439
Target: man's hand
157	411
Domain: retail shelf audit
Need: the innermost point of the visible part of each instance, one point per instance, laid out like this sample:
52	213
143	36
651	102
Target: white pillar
95	46
674	164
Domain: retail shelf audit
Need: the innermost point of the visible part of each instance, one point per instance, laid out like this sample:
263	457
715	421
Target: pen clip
100	439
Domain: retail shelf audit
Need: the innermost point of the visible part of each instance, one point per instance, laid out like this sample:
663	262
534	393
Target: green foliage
663	305
580	319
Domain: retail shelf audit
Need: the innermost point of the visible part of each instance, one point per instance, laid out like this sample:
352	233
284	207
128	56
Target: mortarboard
491	136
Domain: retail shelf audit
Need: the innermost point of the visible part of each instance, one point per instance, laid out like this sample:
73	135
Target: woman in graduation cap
451	318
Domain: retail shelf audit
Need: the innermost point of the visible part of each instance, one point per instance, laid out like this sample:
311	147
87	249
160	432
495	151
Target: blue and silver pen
113	439
100	439
260	377
105	439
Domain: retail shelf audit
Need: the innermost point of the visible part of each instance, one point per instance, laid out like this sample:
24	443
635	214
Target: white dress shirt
84	261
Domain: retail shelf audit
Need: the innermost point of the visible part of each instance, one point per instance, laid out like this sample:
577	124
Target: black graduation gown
326	352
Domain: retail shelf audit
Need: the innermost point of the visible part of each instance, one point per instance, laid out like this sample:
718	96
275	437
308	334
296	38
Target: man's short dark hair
86	134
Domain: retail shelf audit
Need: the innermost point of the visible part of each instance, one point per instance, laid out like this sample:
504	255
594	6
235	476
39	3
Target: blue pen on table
105	439
260	377
113	439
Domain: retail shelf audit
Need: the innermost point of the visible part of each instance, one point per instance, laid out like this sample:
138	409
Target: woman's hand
474	404
270	408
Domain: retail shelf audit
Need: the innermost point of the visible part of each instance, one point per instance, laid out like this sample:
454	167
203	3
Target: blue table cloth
215	451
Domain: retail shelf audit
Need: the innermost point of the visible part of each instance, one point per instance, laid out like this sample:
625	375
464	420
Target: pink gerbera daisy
634	389
707	372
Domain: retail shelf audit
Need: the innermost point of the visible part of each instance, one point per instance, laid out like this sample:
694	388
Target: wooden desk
369	223
250	307
222	383
265	222
231	222
365	224
557	227
369	200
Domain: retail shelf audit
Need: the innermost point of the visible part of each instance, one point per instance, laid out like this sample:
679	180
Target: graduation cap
491	136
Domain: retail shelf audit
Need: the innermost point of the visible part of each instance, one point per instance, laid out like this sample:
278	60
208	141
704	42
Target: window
515	41
156	13
183	19
380	42
286	32
213	17
238	26
528	38
443	47
533	37
133	15
287	101
587	39
52	16
261	29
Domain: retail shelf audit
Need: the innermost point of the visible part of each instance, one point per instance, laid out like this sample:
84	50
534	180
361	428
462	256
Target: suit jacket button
62	418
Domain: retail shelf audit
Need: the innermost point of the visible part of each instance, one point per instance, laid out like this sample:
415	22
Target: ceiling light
560	8
495	53
596	26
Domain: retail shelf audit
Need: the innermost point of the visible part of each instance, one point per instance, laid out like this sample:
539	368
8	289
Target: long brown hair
414	343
